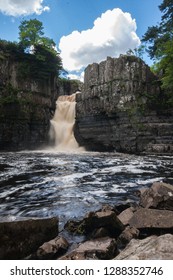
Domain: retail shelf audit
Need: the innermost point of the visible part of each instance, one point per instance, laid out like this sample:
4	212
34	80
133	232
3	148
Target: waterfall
62	124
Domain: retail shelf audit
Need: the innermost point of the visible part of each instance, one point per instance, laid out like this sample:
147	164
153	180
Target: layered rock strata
27	105
117	109
25	108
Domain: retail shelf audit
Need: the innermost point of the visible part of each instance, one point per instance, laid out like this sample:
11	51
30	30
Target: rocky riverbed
129	231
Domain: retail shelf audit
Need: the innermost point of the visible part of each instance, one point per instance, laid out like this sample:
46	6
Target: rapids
45	184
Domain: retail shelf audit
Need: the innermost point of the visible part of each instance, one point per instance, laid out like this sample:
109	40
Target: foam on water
69	185
62	125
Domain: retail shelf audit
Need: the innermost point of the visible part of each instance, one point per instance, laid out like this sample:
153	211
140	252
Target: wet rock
128	234
126	215
19	239
150	248
100	232
121	207
52	249
152	218
159	196
94	220
103	249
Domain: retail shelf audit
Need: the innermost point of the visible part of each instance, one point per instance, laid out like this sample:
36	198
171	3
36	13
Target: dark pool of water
45	184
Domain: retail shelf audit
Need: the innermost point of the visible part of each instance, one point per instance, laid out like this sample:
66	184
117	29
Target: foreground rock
21	238
159	196
111	232
152	218
93	221
150	248
128	234
126	215
126	229
52	249
103	249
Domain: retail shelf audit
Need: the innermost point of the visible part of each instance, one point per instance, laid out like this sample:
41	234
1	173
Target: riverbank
130	231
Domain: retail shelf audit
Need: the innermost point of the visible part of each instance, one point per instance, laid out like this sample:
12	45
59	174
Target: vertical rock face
113	111
27	102
27	105
25	108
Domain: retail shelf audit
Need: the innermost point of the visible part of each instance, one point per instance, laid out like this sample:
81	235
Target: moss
12	95
2	56
8	99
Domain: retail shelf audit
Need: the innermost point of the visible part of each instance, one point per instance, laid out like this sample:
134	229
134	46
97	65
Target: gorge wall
25	108
119	109
27	104
29	88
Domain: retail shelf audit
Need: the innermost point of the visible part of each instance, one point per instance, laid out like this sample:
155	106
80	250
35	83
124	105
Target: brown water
62	125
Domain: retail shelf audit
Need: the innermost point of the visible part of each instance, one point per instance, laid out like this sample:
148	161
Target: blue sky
85	31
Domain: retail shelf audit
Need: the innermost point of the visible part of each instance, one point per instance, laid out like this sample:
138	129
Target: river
68	185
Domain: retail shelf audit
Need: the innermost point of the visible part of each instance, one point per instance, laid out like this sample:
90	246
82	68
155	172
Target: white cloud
77	76
22	7
112	34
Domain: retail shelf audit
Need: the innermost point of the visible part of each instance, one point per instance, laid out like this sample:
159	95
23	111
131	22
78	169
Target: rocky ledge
143	231
121	108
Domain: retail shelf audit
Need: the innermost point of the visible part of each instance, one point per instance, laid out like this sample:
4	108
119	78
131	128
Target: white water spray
63	123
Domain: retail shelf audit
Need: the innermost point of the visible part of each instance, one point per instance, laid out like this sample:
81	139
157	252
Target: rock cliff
27	104
25	108
119	109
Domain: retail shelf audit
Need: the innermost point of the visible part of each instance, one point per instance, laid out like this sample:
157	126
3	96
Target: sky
85	31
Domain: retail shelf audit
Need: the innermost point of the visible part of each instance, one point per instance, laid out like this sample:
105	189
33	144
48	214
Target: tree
45	57
159	43
30	33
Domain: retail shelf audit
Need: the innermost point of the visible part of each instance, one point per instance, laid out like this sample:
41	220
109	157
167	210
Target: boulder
150	248
102	248
159	196
100	232
52	249
94	220
126	215
152	218
128	234
19	239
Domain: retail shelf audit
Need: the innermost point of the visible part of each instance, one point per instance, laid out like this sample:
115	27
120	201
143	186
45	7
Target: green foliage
48	59
41	65
11	96
30	33
167	19
159	42
137	52
36	54
9	49
43	55
166	63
